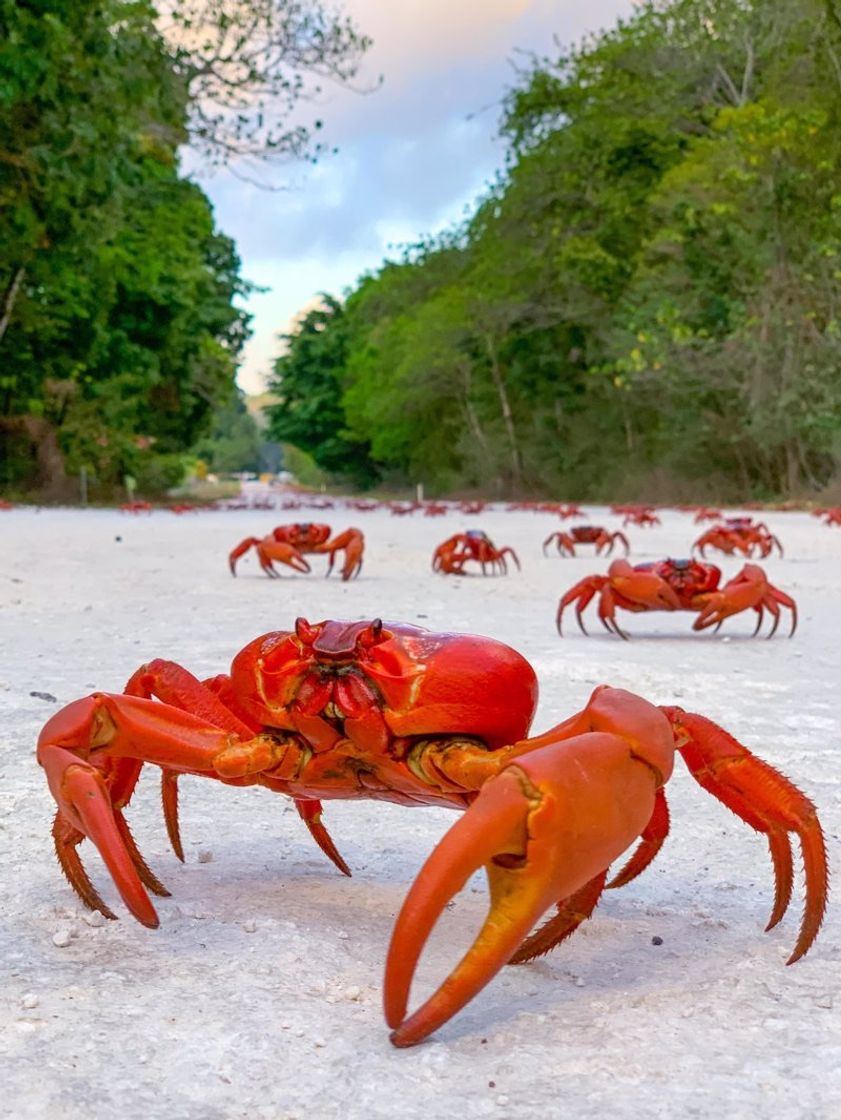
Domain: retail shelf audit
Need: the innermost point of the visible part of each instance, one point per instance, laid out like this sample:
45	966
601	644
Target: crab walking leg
310	813
571	913
767	801
353	543
581	594
548	824
175	685
87	742
651	841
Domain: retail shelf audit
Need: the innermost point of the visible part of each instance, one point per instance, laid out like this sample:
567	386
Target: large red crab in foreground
678	585
451	555
286	544
392	712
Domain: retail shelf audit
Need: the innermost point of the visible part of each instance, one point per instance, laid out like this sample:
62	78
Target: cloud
412	154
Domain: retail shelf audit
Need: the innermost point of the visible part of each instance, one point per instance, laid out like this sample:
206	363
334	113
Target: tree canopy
120	326
646	303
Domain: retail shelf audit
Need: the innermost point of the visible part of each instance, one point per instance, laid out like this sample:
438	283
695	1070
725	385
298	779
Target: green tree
307	383
234	442
249	65
119	333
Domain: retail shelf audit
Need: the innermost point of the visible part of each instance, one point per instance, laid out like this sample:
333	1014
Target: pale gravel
259	998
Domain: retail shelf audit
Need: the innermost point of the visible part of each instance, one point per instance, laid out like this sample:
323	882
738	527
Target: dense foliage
119	328
648	303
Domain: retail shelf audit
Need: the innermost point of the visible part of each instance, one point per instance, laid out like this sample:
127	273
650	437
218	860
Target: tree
118	322
307	382
233	443
248	64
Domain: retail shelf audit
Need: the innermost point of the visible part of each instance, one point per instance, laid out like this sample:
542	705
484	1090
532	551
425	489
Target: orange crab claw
86	810
549	823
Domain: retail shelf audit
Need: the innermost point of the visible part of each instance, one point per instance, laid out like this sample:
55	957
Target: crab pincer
547	826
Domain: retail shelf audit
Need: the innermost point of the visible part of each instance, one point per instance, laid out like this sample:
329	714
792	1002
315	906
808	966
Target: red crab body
674	585
393	712
603	539
286	544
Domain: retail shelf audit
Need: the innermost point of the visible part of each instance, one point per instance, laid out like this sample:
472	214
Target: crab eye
371	635
304	632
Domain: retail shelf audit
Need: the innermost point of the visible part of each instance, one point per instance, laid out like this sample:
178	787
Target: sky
413	156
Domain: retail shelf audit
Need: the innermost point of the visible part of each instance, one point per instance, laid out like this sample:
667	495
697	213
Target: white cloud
412	155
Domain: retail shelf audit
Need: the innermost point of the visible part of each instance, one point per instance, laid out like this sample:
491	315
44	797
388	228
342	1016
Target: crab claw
542	828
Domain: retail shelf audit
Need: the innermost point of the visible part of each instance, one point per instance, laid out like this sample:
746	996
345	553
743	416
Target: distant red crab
452	554
678	585
831	516
707	513
287	543
603	539
739	534
567	509
644	516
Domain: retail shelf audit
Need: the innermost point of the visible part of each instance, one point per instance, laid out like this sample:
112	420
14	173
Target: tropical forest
644	303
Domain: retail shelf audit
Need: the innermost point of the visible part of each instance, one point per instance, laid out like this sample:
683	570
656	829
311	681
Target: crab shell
425	683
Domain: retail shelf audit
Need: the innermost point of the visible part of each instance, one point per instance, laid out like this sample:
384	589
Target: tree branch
10	297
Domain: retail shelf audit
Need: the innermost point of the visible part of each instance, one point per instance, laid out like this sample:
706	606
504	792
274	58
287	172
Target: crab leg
571	913
548	824
581	594
91	751
211	700
310	813
767	801
651	841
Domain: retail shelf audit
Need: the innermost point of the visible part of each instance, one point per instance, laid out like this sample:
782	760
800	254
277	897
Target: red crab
739	534
452	554
831	516
707	513
287	543
678	585
644	517
395	713
586	534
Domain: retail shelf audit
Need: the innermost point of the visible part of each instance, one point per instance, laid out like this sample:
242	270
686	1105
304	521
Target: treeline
119	327
646	304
